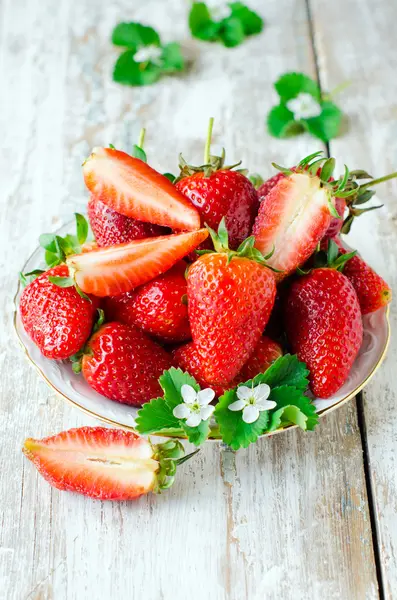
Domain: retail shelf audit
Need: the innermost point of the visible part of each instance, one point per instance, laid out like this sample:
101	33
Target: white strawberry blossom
304	106
219	11
252	401
149	53
195	406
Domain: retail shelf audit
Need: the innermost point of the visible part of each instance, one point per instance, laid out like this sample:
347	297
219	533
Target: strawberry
118	269
131	187
268	185
123	364
324	327
57	319
110	227
158	307
295	215
105	464
217	191
230	297
372	291
265	353
187	358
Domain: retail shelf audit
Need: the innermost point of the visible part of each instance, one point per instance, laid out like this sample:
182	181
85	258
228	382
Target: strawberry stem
207	148
141	139
379	180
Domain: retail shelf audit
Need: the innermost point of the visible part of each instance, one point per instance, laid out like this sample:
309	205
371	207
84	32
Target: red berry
229	305
226	194
106	464
324	327
159	307
57	319
265	353
110	227
187	358
123	364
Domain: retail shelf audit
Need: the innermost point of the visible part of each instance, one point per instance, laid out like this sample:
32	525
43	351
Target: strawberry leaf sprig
272	400
228	24
145	59
302	107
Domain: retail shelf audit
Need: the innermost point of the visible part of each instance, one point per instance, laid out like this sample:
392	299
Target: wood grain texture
287	519
365	54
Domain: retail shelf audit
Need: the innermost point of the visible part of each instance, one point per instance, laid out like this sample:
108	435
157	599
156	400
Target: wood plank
360	47
286	519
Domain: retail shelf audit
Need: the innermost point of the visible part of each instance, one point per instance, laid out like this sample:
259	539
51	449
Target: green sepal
62	282
134	35
138	152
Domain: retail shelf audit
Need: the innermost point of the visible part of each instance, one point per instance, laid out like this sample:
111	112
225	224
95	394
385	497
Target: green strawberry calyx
246	249
211	162
330	258
169	455
77	358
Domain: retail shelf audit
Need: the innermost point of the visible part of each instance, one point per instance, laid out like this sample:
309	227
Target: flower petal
188	393
182	411
244	392
206	412
266	405
206	396
250	414
193	420
261	392
237	405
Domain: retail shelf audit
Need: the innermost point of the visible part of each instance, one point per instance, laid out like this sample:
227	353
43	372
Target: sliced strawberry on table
110	227
57	319
123	364
218	191
158	307
131	187
118	269
105	464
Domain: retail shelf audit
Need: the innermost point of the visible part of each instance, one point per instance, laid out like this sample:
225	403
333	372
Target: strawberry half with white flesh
296	214
105	464
118	269
132	188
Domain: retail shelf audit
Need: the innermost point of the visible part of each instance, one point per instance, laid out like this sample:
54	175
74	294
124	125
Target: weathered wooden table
298	516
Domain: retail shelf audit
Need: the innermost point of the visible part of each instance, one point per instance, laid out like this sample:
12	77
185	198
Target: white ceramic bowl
73	388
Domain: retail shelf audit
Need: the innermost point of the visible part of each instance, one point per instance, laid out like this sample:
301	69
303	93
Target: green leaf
173	60
332	252
48	241
286	370
170	177
63	282
51	259
287	415
197	435
128	72
256	180
138	152
326	126
252	23
134	35
281	123
327	169
172	381
155	416
234	431
81	228
201	24
289	85
231	32
364	197
290	396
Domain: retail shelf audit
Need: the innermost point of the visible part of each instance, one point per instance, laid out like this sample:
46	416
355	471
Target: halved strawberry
295	215
131	187
118	269
106	464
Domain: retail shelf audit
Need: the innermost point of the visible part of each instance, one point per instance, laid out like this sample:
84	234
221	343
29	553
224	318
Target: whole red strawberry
372	291
230	297
123	364
265	353
106	464
158	307
324	327
187	358
219	192
57	319
110	227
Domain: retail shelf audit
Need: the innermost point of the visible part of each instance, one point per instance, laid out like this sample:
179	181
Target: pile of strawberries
206	273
